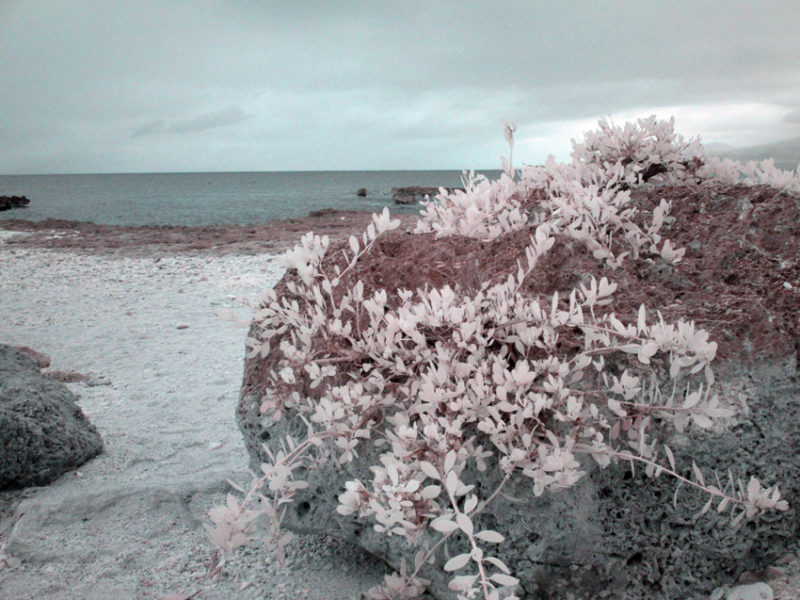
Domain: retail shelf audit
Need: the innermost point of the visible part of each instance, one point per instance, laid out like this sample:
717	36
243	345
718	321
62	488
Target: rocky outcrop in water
9	202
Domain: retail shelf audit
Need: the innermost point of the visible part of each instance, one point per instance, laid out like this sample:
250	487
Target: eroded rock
43	432
616	534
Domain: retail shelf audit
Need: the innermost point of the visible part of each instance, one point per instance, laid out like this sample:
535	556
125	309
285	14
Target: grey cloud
212	120
150	128
121	81
793	117
220	118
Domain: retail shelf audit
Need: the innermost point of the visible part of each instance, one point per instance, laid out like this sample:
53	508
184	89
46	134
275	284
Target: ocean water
210	198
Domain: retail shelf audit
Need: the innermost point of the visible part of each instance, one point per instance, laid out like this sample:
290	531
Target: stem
291	455
681	478
481	570
477	511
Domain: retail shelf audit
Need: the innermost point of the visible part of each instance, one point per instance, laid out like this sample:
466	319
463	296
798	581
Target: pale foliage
645	149
751	173
446	378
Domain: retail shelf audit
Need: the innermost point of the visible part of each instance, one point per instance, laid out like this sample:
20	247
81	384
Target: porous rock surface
617	534
43	432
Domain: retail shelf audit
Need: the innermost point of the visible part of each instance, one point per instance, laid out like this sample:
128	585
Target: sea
211	198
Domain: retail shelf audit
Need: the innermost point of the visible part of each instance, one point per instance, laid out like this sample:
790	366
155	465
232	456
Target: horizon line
477	170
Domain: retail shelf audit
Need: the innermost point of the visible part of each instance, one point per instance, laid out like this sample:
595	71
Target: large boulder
43	432
9	202
617	534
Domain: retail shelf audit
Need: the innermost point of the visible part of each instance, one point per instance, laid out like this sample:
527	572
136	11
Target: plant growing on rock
442	378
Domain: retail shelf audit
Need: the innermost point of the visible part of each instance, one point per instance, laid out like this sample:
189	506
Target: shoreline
143	240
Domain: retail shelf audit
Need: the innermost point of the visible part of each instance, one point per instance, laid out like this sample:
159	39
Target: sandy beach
138	315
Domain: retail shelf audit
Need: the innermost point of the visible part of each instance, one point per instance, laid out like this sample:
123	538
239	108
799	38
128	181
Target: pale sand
128	524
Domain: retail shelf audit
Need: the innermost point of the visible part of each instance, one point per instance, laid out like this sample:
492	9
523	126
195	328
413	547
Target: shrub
451	376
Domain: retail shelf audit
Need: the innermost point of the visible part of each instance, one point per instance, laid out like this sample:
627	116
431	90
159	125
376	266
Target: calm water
209	198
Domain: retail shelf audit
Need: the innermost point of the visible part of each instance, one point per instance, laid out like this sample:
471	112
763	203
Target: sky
161	86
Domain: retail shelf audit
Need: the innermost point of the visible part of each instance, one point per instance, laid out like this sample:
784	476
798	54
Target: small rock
362	192
65	376
183	326
97	380
753	591
40	358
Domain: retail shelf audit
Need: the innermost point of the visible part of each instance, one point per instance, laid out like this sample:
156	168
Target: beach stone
9	202
43	432
753	591
615	534
41	359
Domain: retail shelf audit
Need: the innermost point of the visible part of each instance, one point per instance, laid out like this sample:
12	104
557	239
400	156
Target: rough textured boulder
413	194
43	432
617	534
9	202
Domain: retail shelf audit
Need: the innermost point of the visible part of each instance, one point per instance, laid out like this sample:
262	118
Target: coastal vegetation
444	383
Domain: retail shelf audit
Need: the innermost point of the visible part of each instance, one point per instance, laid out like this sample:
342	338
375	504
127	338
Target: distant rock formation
43	432
362	192
414	193
9	202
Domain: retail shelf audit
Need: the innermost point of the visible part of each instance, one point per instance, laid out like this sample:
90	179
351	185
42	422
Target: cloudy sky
140	86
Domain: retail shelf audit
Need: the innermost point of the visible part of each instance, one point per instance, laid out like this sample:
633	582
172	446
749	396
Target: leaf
354	244
462	582
504	579
641	323
692	399
698	474
465	523
233	506
498	563
429	469
488	535
456	562
449	461
443	525
670	457
452	483
236	486
705	508
470	504
430	492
